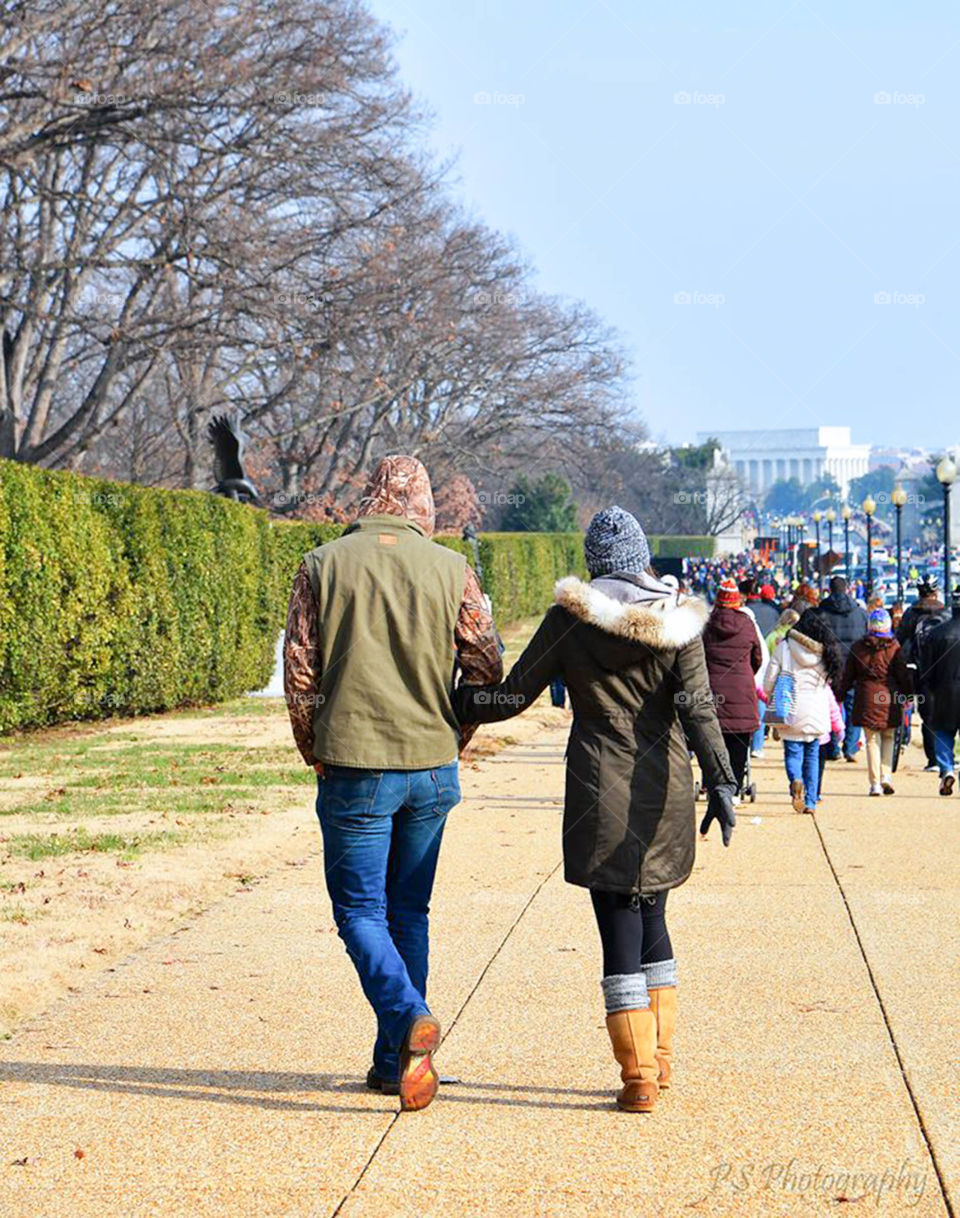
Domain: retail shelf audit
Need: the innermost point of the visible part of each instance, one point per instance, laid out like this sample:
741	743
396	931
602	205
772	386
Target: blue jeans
943	744
802	760
851	735
756	744
381	840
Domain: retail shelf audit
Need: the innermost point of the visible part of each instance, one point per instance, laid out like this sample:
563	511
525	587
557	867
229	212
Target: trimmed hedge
121	599
682	547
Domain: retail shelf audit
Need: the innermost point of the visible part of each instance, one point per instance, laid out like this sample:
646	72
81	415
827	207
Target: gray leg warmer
625	992
661	973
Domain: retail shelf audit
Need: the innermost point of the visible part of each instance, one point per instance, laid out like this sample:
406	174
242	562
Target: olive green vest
388	601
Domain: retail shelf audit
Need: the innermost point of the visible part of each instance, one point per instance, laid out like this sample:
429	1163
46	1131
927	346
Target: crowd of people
830	676
391	660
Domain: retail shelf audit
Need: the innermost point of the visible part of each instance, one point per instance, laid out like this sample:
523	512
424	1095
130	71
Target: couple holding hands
391	659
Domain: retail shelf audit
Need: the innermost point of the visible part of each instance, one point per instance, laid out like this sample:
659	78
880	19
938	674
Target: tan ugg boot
663	1003
633	1035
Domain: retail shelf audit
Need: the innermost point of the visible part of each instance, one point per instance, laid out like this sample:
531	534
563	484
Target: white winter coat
802	656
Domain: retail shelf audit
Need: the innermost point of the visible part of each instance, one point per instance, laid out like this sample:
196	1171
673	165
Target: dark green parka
637	678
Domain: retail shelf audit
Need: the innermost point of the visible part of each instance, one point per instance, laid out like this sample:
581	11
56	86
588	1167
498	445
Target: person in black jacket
927	610
848	623
762	604
939	662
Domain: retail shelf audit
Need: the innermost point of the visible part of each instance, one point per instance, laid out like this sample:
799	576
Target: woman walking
806	660
735	652
630	652
876	672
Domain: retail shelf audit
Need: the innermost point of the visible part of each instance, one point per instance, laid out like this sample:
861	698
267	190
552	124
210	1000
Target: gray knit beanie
614	541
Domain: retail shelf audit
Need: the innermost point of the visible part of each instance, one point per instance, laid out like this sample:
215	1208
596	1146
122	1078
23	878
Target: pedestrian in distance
847	621
762	604
630	651
735	653
926	611
939	662
375	621
807	659
880	682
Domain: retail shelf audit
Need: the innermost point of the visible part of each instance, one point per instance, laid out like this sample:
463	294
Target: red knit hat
728	595
768	592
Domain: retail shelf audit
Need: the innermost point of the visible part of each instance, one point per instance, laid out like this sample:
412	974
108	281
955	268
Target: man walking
939	663
927	611
377	621
848	623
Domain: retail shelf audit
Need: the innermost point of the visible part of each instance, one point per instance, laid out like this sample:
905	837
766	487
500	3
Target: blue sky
792	169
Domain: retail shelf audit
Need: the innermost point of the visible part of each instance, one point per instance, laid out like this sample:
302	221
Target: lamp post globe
846	512
869	507
946	476
899	498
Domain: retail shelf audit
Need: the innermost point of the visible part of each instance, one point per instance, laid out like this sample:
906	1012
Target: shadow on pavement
226	1086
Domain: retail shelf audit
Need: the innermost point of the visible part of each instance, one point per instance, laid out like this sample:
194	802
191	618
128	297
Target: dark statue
227	440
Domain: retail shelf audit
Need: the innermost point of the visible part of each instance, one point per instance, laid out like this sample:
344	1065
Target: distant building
762	458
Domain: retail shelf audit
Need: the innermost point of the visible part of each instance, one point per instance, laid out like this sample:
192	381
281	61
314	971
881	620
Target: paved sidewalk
220	1070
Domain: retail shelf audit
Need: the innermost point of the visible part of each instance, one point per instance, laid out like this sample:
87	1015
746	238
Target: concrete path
220	1070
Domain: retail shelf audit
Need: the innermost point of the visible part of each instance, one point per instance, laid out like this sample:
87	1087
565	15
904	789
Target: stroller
747	792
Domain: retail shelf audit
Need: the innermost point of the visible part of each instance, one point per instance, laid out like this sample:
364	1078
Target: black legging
633	930
738	746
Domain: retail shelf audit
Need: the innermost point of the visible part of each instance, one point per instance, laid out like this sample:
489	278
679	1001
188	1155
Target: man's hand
720	808
318	766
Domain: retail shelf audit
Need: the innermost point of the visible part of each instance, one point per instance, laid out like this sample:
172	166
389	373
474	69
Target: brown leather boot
663	1003
633	1035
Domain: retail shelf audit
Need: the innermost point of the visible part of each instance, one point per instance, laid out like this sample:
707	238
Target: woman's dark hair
814	627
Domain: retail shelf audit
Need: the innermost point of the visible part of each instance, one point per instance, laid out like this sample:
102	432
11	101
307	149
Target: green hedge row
682	547
120	599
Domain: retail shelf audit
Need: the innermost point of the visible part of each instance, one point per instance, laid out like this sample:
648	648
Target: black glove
720	808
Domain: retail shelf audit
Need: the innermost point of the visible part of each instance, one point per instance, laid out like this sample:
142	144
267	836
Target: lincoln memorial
764	457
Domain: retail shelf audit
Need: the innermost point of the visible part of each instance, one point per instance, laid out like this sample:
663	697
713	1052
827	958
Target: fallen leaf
79	1154
19	1162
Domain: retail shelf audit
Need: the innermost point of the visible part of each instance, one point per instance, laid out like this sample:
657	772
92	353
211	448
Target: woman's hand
720	808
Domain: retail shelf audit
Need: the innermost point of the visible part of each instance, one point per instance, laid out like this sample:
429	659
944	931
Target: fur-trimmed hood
805	651
665	624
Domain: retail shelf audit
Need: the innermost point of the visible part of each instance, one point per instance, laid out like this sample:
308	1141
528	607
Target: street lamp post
831	517
899	498
869	507
946	476
846	512
817	517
